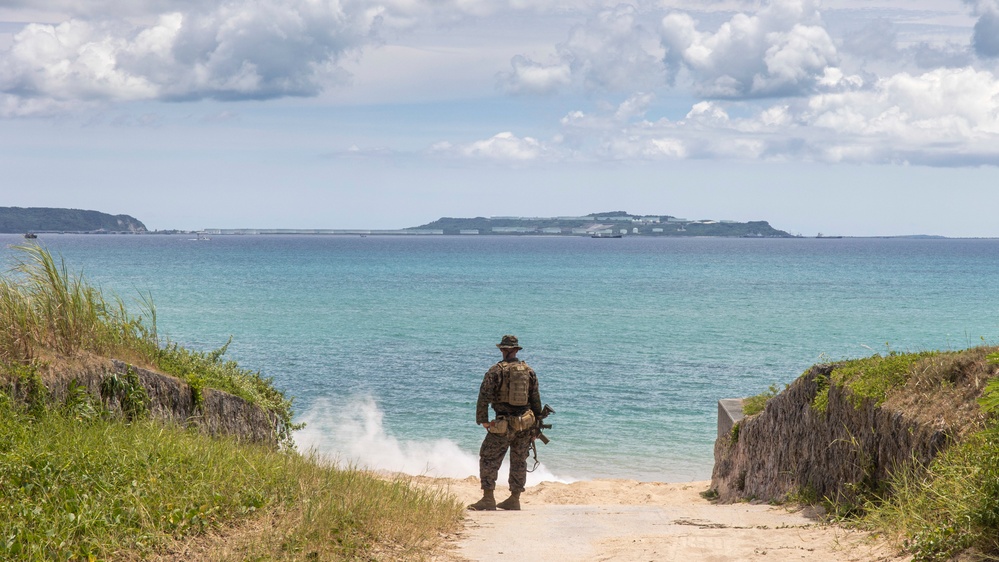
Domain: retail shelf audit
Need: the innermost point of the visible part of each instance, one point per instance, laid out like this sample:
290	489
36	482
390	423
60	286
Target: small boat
30	235
599	235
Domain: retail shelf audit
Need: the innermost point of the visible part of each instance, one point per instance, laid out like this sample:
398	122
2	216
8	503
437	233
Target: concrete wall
789	447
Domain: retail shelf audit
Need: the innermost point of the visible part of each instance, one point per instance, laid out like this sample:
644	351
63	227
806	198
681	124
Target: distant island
613	224
610	224
45	219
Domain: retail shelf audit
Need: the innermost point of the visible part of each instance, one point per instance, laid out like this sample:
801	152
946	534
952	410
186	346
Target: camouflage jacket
490	390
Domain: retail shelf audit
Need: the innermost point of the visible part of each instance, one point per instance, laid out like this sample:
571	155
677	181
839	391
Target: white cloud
946	117
635	106
615	50
530	77
770	80
943	106
110	50
502	147
250	50
781	51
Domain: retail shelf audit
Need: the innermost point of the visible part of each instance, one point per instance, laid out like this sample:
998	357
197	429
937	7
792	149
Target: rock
172	400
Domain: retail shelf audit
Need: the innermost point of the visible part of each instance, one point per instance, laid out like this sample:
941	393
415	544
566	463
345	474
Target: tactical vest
516	383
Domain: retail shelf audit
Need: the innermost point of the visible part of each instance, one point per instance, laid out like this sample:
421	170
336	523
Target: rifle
536	433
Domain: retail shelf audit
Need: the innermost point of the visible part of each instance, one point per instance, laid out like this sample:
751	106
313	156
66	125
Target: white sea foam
354	435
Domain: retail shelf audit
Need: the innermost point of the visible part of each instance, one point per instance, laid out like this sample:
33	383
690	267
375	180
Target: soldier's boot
487	503
512	503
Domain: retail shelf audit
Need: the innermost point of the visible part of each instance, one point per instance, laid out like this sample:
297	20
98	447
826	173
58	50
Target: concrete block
729	412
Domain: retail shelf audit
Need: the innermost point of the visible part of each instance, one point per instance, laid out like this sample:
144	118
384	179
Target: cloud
986	35
355	152
615	50
529	77
502	147
776	85
94	51
257	50
945	117
781	51
875	40
955	106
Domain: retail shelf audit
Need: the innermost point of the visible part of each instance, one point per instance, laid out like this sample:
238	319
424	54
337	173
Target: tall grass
44	307
949	508
78	486
46	310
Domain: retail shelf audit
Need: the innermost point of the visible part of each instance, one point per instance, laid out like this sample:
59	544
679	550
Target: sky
848	117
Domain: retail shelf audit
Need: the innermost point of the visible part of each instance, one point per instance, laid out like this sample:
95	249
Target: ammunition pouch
512	424
522	422
499	426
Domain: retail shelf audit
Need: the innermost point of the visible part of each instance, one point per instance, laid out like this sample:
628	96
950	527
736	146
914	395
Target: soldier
511	387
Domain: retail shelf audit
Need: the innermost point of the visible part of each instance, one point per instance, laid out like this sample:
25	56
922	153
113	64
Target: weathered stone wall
172	400
789	447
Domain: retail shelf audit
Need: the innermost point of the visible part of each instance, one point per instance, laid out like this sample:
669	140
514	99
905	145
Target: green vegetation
54	315
74	485
750	407
47	310
952	507
77	483
35	219
755	404
871	378
658	225
949	508
209	370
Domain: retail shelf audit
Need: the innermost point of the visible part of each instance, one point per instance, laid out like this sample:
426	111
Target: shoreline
631	520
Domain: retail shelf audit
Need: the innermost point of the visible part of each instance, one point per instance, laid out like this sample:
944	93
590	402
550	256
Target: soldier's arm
487	395
534	396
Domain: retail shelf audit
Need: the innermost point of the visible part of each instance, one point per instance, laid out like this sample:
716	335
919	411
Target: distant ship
828	237
31	235
599	235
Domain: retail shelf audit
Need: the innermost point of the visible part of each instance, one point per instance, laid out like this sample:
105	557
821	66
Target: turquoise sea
383	340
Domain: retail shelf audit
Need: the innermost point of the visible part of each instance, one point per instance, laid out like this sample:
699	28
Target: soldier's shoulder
497	368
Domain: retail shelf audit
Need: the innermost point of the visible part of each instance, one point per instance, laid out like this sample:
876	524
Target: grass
78	486
209	370
949	508
871	378
51	313
755	404
44	307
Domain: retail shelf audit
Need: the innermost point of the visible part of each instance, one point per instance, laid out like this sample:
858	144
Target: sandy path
636	521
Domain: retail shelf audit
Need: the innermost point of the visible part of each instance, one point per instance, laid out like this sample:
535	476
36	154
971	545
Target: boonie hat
509	342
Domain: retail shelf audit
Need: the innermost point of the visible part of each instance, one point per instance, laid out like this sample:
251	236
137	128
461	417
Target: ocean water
383	341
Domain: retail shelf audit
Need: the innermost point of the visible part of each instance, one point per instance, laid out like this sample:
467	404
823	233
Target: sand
654	521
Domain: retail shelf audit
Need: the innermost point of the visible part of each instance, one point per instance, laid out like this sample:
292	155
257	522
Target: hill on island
603	224
46	219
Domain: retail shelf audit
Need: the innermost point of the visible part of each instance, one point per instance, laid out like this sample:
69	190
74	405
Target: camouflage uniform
495	445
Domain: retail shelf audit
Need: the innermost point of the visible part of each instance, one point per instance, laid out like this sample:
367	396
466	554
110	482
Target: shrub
755	404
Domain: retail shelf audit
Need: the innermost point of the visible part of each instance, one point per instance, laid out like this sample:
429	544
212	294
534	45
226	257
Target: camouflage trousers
491	454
